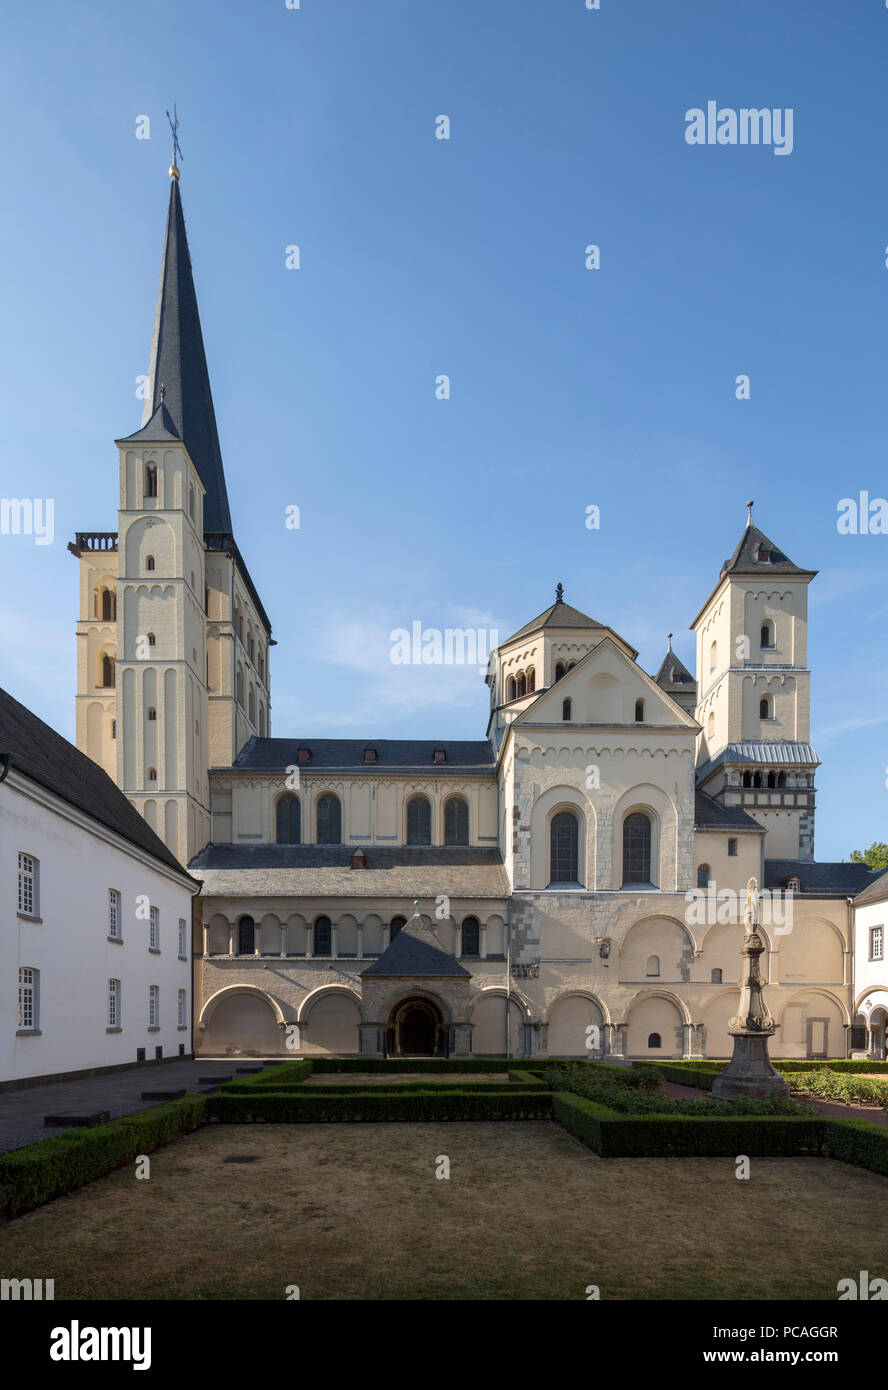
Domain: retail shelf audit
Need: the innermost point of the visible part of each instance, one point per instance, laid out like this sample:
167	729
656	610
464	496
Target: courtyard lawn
355	1212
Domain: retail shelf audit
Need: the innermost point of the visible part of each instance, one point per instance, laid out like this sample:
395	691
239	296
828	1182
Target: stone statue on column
749	1072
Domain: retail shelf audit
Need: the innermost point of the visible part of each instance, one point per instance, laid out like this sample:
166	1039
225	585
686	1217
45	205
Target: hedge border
51	1167
615	1135
374	1106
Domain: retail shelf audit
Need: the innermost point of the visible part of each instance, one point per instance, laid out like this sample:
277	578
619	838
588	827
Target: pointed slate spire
178	367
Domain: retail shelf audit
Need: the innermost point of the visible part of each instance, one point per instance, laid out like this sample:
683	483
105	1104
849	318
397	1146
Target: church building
571	883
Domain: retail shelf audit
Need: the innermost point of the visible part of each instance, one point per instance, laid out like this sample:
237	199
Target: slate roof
46	758
673	676
825	880
272	755
402	871
416	952
178	362
160	429
711	815
558	615
875	891
761	752
744	559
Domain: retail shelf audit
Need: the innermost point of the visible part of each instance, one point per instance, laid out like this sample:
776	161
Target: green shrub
396	1086
613	1087
423	1064
701	1079
306	1107
527	1080
38	1173
679	1136
859	1142
833	1085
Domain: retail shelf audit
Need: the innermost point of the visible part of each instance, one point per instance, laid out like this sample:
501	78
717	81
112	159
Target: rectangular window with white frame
183	1005
28	885
154	930
29	1000
877	943
115	926
182	939
113	1003
154	1006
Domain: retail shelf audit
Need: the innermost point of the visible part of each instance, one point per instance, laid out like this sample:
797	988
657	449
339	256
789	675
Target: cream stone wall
871	976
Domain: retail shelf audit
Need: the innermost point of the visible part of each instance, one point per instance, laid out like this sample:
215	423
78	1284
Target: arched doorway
416	1029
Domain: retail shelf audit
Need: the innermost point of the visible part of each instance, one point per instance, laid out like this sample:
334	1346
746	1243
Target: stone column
206	939
334	940
360	941
231	931
483	942
386	936
618	1040
257	939
283	940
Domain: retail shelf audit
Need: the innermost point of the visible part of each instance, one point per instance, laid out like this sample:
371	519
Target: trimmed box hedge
374	1106
684	1076
683	1136
423	1064
858	1142
38	1173
393	1087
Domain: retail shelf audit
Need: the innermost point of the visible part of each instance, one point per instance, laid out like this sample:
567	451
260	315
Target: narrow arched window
289	821
531	681
149	562
512	689
566	707
767	635
710	726
756	779
716	977
471	937
113	728
564	848
419	821
251	709
239	686
765	709
654	1040
653	966
637	848
329	817
456	821
150	481
152	640
251	647
246	936
323	937
703	875
713	656
397	924
522	685
107	671
152	774
152	714
109	606
639	711
191	500
772	779
747	779
781	779
559	670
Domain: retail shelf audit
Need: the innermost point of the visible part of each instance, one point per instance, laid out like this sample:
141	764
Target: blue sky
570	388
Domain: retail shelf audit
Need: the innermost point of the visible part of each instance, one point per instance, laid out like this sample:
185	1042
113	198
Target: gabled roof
745	557
179	364
828	880
273	754
875	891
42	755
416	952
673	676
711	815
160	429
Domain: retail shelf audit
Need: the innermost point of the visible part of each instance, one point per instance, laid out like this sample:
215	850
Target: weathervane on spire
559	593
669	640
177	149
749	507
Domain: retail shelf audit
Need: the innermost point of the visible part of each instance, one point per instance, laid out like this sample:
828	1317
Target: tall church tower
754	694
173	639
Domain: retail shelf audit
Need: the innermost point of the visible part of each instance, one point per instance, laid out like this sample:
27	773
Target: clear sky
420	257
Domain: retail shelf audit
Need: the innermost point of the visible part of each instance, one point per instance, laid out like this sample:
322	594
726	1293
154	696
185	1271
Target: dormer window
303	755
358	860
794	885
369	757
764	554
440	755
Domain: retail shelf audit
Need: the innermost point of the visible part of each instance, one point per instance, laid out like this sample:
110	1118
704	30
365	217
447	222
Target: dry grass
368	1079
354	1211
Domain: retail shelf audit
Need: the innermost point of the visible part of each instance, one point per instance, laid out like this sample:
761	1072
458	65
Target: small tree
876	856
